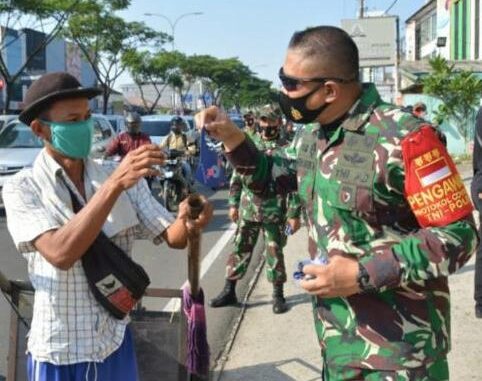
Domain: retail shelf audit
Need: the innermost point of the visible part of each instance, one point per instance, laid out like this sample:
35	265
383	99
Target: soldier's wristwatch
363	279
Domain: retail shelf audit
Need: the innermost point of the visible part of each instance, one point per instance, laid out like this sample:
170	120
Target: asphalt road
167	268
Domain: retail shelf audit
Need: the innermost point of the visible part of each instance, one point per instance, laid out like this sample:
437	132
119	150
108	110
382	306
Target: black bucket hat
50	88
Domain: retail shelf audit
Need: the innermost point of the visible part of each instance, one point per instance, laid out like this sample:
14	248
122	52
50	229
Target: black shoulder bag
116	281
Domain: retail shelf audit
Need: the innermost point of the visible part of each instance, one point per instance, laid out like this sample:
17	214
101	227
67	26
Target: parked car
6	118
159	126
118	122
19	146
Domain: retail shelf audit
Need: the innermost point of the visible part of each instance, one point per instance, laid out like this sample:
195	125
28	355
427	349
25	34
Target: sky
255	31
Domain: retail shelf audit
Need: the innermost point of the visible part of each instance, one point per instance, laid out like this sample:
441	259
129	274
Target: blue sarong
120	365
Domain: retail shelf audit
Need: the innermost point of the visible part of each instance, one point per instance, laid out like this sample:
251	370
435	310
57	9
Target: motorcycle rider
129	140
177	140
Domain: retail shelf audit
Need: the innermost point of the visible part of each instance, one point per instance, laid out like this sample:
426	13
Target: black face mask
133	129
269	132
176	130
295	108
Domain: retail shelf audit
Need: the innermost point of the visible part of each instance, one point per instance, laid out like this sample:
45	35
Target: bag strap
76	205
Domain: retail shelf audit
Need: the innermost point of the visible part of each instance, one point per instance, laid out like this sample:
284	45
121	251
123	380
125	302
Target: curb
224	355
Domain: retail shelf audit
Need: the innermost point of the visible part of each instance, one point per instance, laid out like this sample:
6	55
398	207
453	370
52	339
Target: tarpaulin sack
115	280
433	186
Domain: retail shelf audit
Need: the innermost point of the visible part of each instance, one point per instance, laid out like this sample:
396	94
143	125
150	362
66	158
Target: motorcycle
174	187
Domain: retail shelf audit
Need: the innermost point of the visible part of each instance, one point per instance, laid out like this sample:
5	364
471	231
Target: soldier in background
289	131
253	213
420	110
250	125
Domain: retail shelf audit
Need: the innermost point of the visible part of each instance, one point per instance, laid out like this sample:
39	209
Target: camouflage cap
268	112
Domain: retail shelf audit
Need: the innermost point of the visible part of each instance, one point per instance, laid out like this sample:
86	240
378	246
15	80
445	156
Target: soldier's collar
361	110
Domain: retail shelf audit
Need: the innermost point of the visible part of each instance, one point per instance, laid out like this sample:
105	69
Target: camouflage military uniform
351	180
255	213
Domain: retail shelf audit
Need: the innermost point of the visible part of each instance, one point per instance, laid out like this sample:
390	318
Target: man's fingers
314	286
145	172
205	216
313	269
146	163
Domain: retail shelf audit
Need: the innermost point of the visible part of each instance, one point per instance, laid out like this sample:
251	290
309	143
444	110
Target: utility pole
362	9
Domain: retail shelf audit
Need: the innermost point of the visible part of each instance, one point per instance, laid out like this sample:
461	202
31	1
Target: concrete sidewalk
284	347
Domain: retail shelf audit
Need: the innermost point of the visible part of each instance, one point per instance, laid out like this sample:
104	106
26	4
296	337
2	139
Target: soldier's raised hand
218	125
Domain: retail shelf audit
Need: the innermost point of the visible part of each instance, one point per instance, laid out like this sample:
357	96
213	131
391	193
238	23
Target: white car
158	127
6	118
118	122
19	146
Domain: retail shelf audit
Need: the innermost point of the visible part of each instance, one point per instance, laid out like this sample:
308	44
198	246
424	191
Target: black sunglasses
294	83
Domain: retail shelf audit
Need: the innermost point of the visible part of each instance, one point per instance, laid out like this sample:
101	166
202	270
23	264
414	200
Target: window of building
428	29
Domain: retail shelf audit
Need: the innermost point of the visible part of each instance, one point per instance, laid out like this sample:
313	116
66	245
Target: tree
459	90
218	76
104	38
45	16
251	92
158	70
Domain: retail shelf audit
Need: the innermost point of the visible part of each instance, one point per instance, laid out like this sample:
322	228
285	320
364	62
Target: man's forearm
176	234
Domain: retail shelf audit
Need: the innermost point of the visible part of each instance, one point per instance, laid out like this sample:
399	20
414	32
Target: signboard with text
376	39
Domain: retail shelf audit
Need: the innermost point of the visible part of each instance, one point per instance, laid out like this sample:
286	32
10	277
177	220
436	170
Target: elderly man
72	336
382	303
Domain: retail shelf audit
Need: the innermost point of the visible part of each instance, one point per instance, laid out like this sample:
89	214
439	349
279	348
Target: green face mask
72	139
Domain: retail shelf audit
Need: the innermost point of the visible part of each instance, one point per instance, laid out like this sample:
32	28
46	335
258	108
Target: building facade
169	100
377	38
58	55
451	29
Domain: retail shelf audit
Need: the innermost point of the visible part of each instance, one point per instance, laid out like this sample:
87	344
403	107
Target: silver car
19	146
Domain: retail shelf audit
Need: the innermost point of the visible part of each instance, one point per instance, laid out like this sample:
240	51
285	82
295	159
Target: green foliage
251	92
47	16
459	90
229	81
105	38
155	69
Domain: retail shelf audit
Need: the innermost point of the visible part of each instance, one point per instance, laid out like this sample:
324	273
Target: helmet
177	120
133	117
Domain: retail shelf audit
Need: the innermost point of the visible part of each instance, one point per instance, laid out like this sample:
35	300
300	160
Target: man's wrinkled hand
137	164
338	278
202	220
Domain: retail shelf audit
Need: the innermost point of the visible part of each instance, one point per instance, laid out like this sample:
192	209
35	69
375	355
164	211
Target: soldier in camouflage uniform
382	302
253	213
250	125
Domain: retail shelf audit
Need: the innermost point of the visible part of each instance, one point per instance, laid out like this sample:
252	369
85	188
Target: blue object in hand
299	275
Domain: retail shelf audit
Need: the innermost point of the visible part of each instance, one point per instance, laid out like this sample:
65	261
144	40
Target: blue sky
255	31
